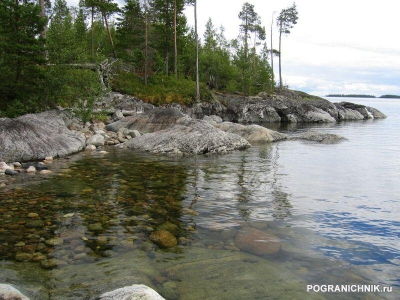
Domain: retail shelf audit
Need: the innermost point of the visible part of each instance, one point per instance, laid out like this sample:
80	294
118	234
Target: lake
335	208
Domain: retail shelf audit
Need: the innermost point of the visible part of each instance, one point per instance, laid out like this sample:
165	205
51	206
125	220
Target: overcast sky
341	46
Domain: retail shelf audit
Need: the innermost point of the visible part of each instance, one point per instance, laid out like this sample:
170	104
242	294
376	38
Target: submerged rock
133	292
257	242
320	137
8	292
164	239
37	136
190	137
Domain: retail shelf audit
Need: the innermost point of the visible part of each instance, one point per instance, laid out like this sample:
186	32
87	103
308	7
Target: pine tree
21	53
285	22
131	33
164	11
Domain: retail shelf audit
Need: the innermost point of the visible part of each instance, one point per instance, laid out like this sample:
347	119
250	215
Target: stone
8	292
320	137
46	172
37	136
33	215
285	106
55	242
252	133
189	137
168	226
134	133
90	147
257	242
17	164
11	172
34	224
133	292
22	256
213	119
96	227
48	159
31	169
52	263
150	121
118	115
96	140
164	239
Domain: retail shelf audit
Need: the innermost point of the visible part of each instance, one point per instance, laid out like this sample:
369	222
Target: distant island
362	96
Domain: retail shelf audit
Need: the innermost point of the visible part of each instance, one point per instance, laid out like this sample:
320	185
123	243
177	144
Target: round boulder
163	239
257	242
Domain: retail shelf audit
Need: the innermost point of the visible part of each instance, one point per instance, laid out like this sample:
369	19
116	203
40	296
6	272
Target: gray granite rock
320	137
8	292
190	137
252	133
133	292
96	140
36	136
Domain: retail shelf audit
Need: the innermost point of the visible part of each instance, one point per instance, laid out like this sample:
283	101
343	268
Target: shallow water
335	209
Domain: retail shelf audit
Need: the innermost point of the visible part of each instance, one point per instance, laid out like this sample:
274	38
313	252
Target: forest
52	55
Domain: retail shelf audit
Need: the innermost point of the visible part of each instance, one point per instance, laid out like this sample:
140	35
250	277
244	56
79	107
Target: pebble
90	147
11	172
96	227
33	215
22	256
55	242
46	172
31	169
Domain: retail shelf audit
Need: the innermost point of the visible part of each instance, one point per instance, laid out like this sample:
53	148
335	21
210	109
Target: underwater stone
96	227
22	256
257	242
55	242
163	239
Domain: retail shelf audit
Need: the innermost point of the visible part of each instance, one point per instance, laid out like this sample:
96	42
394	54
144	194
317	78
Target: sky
341	46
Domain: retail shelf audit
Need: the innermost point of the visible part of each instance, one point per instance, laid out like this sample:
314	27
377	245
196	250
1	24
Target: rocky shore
204	128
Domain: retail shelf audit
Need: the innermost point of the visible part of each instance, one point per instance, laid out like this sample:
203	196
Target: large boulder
190	137
257	242
37	136
351	111
252	133
133	292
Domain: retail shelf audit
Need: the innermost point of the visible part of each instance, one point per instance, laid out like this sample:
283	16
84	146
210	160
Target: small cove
334	207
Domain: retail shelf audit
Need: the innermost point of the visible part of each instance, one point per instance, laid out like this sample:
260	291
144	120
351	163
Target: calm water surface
335	208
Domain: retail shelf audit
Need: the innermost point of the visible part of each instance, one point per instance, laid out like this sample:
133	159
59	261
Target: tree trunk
146	52
272	49
197	53
109	35
166	39
92	32
175	42
43	14
280	54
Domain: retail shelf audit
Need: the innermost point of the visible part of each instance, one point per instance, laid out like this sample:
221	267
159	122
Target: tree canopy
47	53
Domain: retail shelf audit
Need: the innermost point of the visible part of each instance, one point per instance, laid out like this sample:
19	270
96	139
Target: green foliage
160	89
21	53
